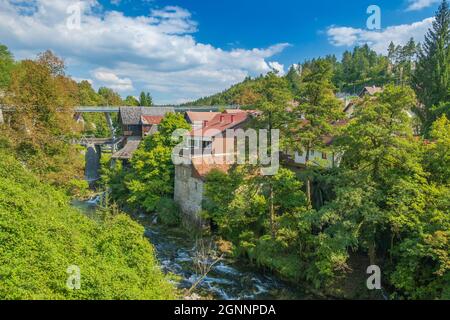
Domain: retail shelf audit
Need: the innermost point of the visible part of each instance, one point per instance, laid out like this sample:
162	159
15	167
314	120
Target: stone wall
188	193
92	170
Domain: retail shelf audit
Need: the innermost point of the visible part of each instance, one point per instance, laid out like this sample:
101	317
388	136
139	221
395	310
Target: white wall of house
324	159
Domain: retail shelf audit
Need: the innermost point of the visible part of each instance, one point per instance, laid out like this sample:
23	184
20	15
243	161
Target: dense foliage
40	126
149	178
432	77
145	99
390	205
385	203
41	236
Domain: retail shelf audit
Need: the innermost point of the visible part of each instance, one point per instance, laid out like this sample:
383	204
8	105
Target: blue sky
180	50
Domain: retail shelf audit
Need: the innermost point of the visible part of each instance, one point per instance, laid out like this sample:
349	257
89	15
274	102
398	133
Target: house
190	185
131	120
320	157
323	157
199	119
150	124
212	135
208	147
371	91
137	123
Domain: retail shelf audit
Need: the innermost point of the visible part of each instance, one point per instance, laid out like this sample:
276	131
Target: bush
169	212
41	236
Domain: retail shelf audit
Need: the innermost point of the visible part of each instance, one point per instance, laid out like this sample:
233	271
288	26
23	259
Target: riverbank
179	253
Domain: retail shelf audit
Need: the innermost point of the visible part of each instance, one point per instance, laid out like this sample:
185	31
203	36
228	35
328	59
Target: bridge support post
93	156
110	123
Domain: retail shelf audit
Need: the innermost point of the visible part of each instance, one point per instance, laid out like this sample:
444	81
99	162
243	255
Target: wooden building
134	121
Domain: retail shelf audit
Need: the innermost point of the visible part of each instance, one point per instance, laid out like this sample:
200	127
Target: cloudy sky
181	50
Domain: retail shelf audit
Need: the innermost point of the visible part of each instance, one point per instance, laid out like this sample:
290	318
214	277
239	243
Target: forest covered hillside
358	68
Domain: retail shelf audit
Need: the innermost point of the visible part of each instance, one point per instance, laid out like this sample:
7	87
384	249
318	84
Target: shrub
169	212
41	236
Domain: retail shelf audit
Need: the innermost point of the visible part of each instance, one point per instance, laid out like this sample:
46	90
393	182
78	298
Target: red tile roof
205	164
201	116
151	120
220	123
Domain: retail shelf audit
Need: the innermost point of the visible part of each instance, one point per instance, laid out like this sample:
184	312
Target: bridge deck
106	109
98	141
126	153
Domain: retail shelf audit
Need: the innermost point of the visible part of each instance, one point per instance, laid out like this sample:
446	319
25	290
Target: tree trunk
308	191
372	253
272	213
308	180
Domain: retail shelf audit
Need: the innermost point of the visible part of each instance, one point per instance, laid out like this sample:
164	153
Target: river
227	280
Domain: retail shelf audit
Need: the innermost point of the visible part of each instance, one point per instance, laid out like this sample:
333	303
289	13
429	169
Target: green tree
294	78
432	78
384	203
132	101
94	123
6	65
109	97
318	109
360	68
87	95
259	214
151	176
145	100
55	65
43	119
438	151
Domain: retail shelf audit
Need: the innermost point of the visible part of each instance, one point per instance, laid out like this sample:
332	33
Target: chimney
205	123
222	118
232	118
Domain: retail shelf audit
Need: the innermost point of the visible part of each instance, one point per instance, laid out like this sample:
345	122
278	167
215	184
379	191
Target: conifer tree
432	78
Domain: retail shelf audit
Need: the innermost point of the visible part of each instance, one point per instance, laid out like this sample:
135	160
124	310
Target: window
324	156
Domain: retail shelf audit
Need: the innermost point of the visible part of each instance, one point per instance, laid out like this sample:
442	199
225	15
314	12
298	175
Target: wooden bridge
92	141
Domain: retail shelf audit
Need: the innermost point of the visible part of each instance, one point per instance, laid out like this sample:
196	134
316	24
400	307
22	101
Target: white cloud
113	81
157	52
379	40
277	67
415	5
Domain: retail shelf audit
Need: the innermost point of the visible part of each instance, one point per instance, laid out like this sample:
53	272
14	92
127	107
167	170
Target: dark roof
371	90
132	115
129	149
